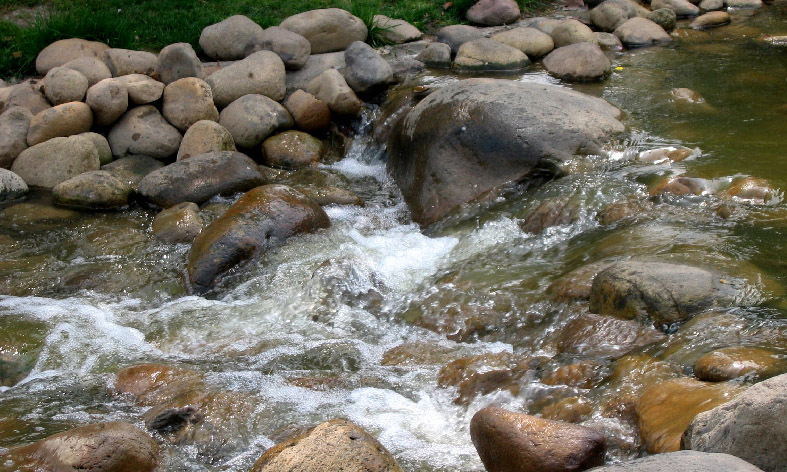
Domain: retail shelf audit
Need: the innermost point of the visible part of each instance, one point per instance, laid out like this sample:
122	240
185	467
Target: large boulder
14	124
109	100
751	426
261	219
612	13
682	8
142	130
580	62
142	89
684	461
530	41
187	101
177	61
493	12
366	71
638	32
490	55
396	31
54	161
331	88
456	35
252	118
96	190
472	136
572	31
11	186
331	446
199	178
293	49
328	30
62	85
203	137
261	73
513	442
63	120
126	62
65	50
231	39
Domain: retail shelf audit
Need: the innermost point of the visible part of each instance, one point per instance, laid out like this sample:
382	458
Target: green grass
152	24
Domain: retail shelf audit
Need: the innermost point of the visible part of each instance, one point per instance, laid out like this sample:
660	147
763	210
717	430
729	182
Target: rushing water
299	337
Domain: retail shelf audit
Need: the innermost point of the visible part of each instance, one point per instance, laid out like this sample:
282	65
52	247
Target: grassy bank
152	24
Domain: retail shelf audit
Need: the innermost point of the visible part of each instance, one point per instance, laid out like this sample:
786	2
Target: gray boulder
231	39
490	55
126	62
493	12
682	8
571	32
102	146
530	41
14	124
683	461
132	169
437	56
262	73
664	17
96	190
640	32
142	130
63	120
608	41
65	50
62	85
57	160
327	30
11	186
109	100
187	101
315	65
331	88
612	13
92	68
456	35
203	137
252	118
142	89
177	61
472	136
293	49
396	31
366	71
580	62
26	95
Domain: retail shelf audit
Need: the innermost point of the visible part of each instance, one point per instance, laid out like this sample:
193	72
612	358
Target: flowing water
301	336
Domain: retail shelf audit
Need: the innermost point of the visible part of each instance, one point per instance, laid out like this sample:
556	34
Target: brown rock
655	156
178	224
570	410
187	101
733	362
605	336
205	136
417	353
292	150
575	285
752	189
152	384
61	121
583	374
679	186
309	113
711	20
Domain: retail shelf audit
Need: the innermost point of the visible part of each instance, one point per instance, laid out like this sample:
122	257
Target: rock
62	85
744	4
178	61
486	54
187	101
508	441
665	409
142	130
750	427
203	137
26	95
142	89
231	39
582	374
14	125
604	336
687	95
640	32
612	13
132	169
530	41
366	71
550	212
664	17
680	186
322	187
252	118
96	190
440	155
331	88
671	154
493	12
682	8
109	101
569	410
65	50
178	224
656	293
308	112
293	49
545	25
578	62
711	20
261	219
199	178
734	362
56	160
711	5
396	31
11	186
292	150
315	65
92	68
575	285
99	447
436	55
752	189
327	30
122	62
102	146
61	121
684	461
333	445
456	35
262	73
608	41
571	32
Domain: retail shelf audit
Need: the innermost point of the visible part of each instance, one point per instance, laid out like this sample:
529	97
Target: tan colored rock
292	150
733	362
126	62
231	39
680	186
605	336
205	136
187	101
396	31
262	73
331	88
152	384
640	32
102	146
570	410
56	160
25	95
95	190
63	85
252	118
178	224
486	54
751	188
92	68
579	62
659	155
309	113
109	101
65	50
571	32
330	29
142	89
14	124
530	41
493	12
61	121
142	130
583	374
293	49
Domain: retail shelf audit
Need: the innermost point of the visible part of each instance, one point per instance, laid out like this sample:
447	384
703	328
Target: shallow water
300	335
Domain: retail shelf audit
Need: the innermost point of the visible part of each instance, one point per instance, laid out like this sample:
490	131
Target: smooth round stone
292	150
63	85
530	41
640	32
608	41
205	136
730	363
96	190
711	20
11	186
489	55
571	32
580	62
711	5
61	121
178	224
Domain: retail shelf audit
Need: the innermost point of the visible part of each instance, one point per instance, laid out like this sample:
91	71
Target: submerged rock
604	336
733	362
178	224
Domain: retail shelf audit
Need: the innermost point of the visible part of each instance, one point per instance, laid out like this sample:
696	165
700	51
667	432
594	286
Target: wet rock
331	88
750	427
508	441
65	50
618	211
328	30
96	190
604	336
366	71
493	12
11	186
308	112
575	285
99	447
57	160
483	374
21	341
569	410
315	65
571	32
612	13
26	95
711	5
418	353
109	101
440	154
396	31
178	61
127	62
664	17
187	101
487	54
132	169
734	362
14	125
230	39
551	212
322	187
92	68
682	8
60	121
292	48
752	189
608	41
30	214
199	178
334	445
671	154
679	186
583	374
252	118
656	293
456	35
205	136
292	150
142	89
261	219
262	73
685	461
437	56
711	20
178	224
152	384
580	62
62	85
665	409
530	41
687	95
142	130
641	32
